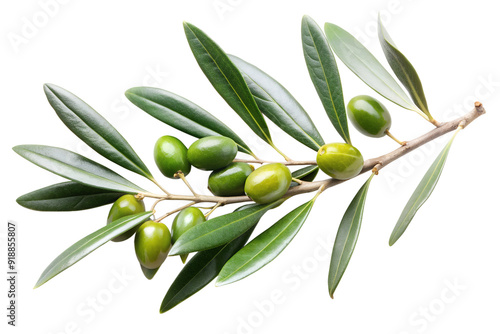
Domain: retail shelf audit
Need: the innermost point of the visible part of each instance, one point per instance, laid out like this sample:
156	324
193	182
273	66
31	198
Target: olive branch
220	243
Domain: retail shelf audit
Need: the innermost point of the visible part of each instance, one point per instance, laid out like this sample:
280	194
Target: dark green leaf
75	167
421	193
220	230
182	114
366	66
94	130
279	105
90	243
226	79
324	75
307	174
68	196
201	270
265	247
403	69
149	273
347	236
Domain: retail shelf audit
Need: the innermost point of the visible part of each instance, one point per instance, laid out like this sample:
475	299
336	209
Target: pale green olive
268	183
340	160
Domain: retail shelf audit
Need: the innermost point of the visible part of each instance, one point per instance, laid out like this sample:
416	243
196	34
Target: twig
174	211
212	210
287	163
181	175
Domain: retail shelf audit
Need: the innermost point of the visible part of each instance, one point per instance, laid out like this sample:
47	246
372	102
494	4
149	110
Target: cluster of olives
265	184
153	240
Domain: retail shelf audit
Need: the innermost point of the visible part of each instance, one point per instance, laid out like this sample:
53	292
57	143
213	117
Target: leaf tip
174	250
392	241
39	283
220	282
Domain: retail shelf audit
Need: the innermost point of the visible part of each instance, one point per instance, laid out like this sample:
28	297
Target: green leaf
226	79
68	196
265	247
220	230
276	102
90	243
403	69
421	193
307	174
182	114
75	167
359	60
347	236
149	273
94	129
324	75
201	270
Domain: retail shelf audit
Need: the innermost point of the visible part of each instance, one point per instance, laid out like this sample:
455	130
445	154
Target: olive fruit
212	152
185	220
369	116
125	206
152	243
171	156
339	160
268	183
230	180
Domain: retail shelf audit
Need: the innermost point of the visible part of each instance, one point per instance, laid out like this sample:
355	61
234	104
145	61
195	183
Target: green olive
152	243
125	206
185	220
369	116
171	156
212	152
268	183
230	180
339	160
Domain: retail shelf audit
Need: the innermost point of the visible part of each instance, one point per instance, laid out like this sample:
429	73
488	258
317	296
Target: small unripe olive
369	116
185	220
339	160
212	152
230	180
125	206
171	156
152	243
268	183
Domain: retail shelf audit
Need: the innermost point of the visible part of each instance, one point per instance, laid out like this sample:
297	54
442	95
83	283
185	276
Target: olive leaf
87	245
403	69
226	79
94	129
307	174
421	193
359	60
324	75
68	196
75	167
276	102
149	273
347	236
201	270
265	247
182	114
220	230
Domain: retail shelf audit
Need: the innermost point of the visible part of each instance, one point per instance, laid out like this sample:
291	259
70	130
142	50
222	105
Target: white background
442	275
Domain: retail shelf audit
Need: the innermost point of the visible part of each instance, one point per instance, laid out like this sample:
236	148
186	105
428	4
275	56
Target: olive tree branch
374	164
